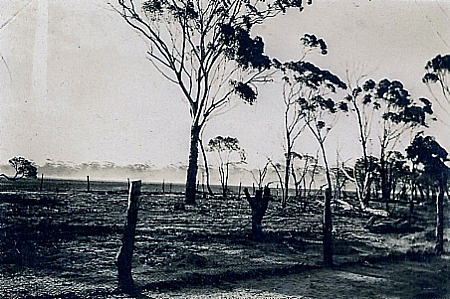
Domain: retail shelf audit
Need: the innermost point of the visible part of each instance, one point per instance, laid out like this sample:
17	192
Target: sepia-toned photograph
224	149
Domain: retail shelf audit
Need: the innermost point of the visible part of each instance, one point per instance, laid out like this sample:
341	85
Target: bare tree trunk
225	189
440	218
205	160
296	182
192	167
422	194
385	190
125	254
258	205
287	175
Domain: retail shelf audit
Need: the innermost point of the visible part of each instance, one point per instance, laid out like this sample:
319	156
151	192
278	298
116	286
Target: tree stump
258	205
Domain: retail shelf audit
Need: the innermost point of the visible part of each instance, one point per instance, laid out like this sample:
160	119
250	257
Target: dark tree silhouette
425	150
228	153
397	176
397	114
437	71
23	169
206	48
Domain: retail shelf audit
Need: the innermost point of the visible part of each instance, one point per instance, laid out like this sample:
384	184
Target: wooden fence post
125	254
42	182
327	230
88	188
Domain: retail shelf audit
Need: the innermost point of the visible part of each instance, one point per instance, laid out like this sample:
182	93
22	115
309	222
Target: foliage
395	111
427	151
395	102
206	48
23	168
437	70
305	90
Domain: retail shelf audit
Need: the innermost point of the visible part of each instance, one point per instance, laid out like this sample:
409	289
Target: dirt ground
406	279
64	246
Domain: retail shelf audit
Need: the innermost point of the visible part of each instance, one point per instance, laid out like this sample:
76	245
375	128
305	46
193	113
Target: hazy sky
79	87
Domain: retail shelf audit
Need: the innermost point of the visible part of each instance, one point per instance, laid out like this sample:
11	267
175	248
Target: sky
76	86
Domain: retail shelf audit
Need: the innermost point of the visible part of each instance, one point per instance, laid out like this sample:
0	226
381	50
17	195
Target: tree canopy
206	48
437	70
427	151
23	168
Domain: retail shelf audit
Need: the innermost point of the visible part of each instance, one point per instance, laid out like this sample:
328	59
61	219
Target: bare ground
65	245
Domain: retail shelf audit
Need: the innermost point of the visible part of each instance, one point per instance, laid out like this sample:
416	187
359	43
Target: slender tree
205	47
363	113
228	153
205	162
317	113
295	86
320	116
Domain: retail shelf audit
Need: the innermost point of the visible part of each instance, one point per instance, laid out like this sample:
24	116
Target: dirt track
405	279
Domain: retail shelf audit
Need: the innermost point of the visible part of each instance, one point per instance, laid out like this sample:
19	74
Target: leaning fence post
125	254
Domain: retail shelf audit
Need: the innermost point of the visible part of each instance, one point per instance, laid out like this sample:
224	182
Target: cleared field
66	243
